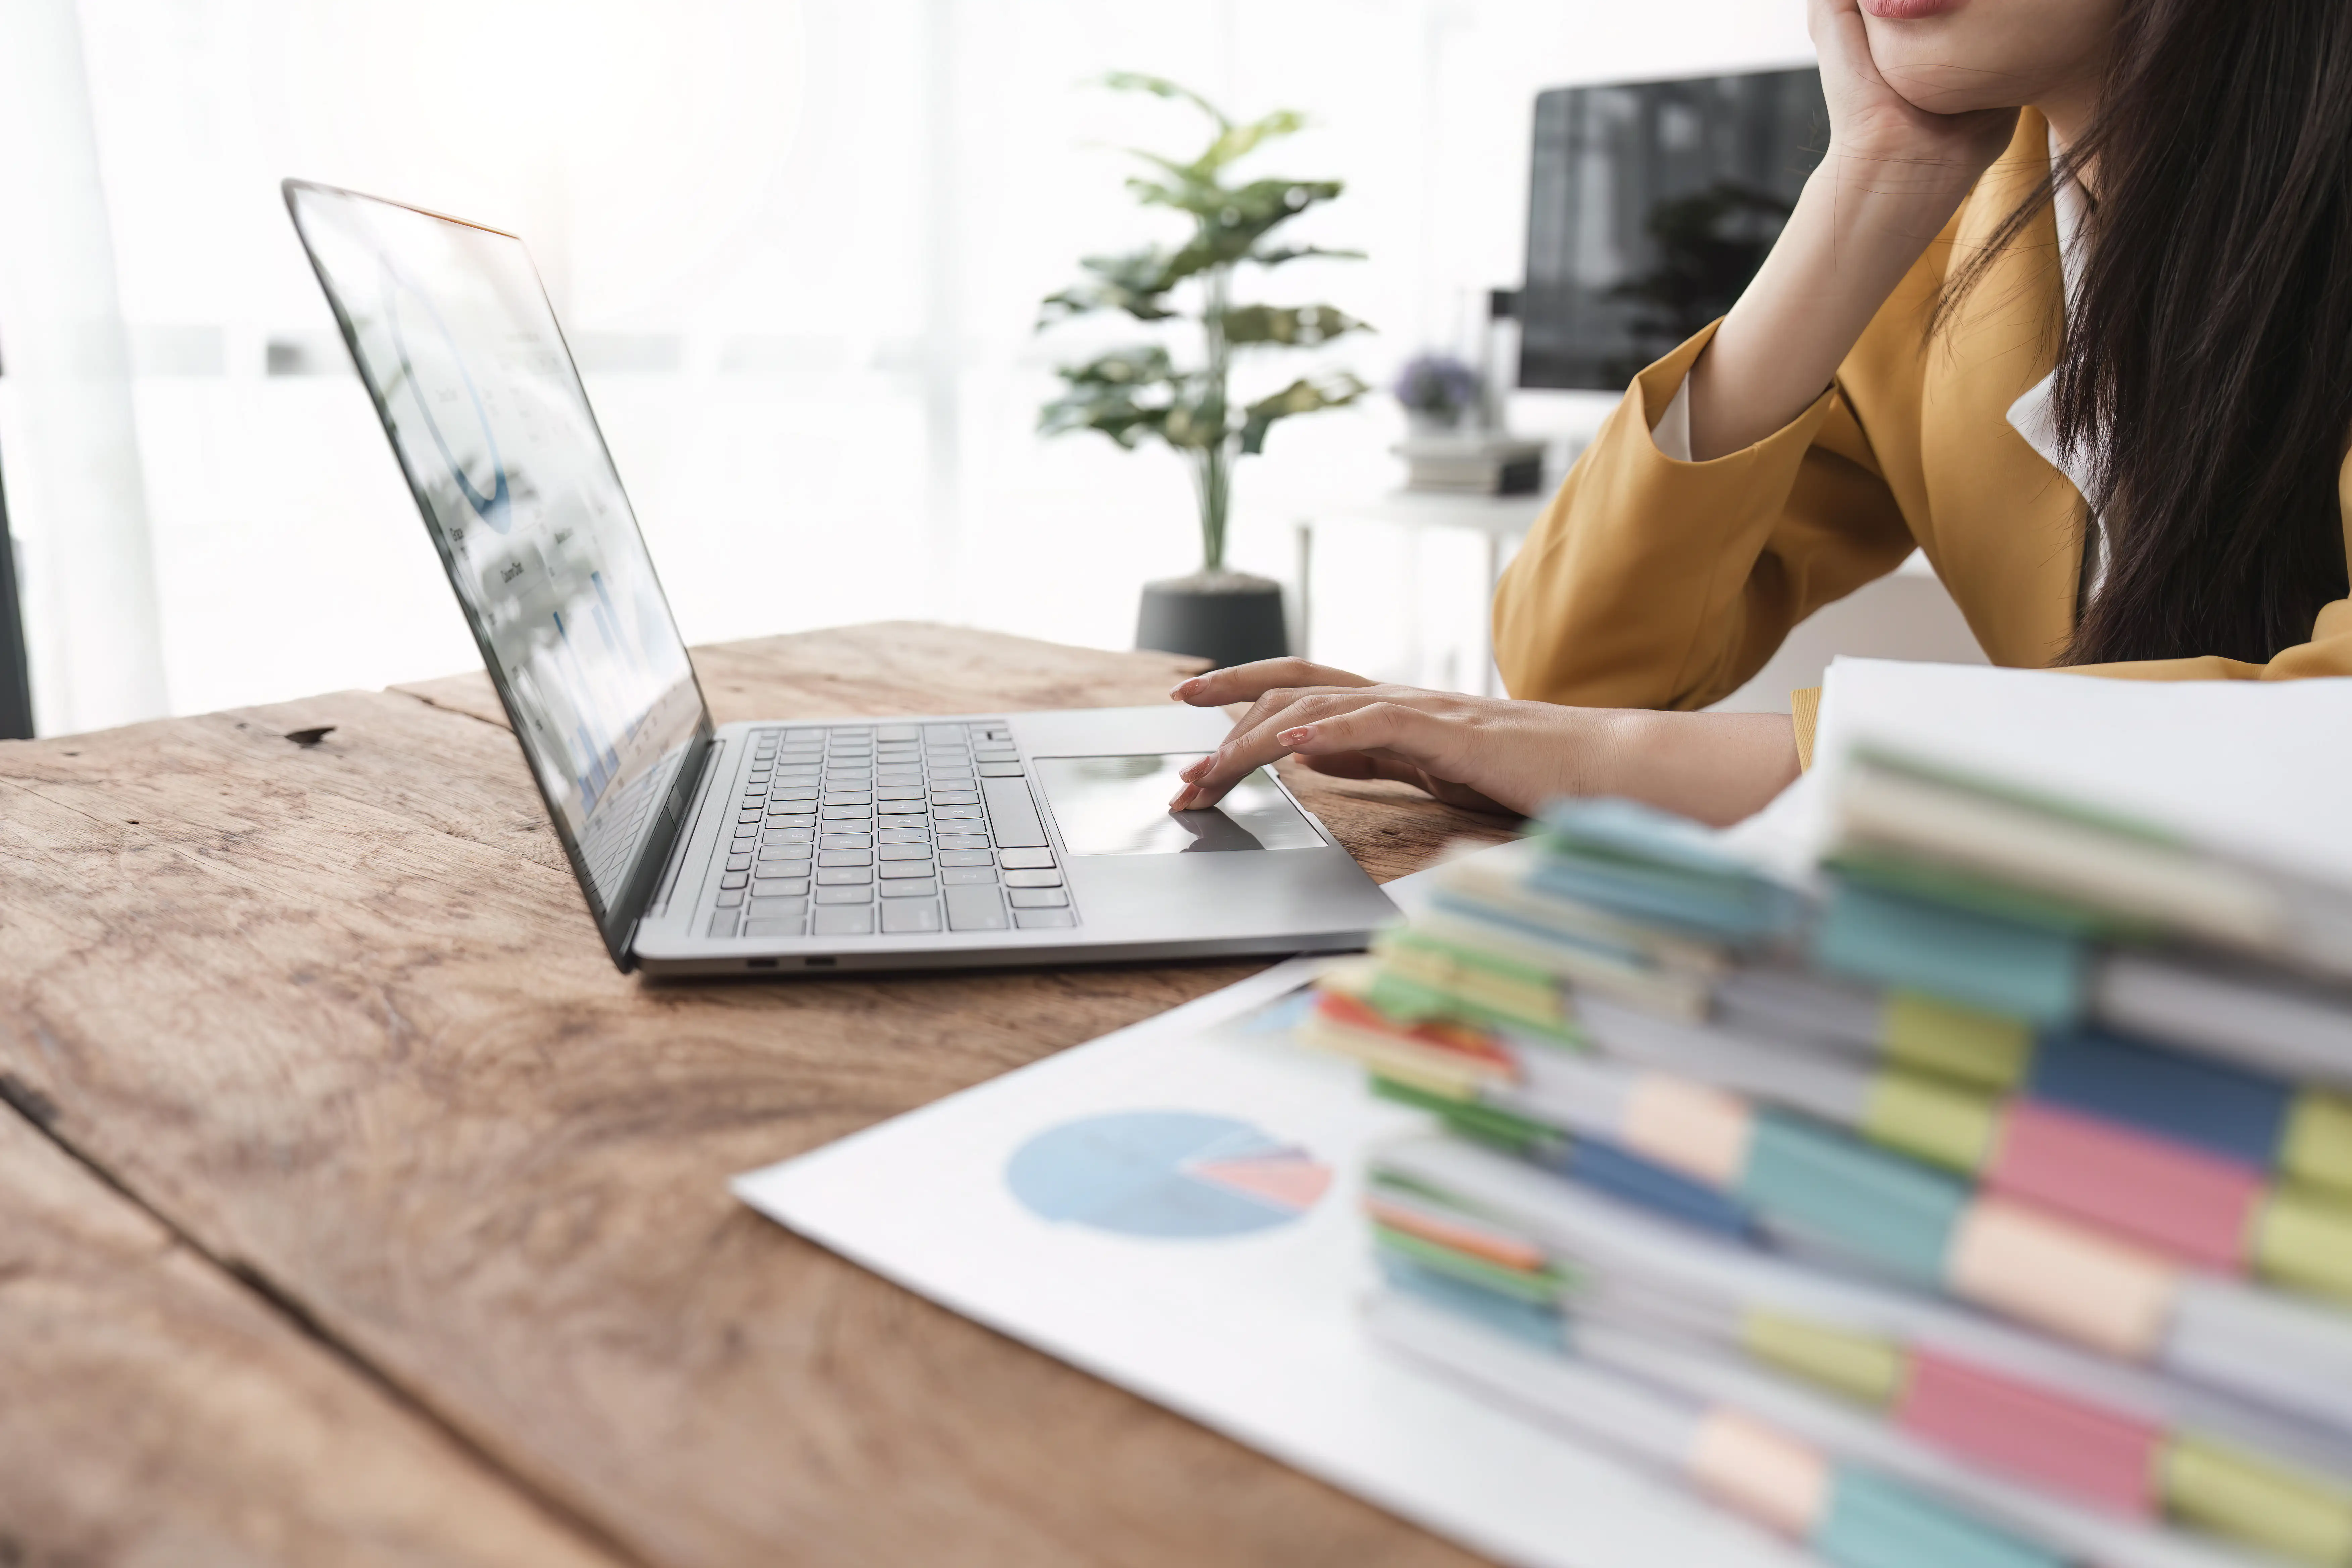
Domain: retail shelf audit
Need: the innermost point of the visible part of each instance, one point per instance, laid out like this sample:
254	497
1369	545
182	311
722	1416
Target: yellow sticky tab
1856	1366
2318	1143
1931	1120
2246	1498
2302	1240
1988	1049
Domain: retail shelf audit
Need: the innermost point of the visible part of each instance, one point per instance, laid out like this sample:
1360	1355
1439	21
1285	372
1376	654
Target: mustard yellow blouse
1655	584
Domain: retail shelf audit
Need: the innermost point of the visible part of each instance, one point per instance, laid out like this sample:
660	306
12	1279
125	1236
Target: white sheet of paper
2257	767
1256	1334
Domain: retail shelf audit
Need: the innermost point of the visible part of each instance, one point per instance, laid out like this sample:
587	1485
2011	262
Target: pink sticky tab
2050	1439
2185	1203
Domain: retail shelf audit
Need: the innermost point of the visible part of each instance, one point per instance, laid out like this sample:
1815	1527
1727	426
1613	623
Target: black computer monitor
1652	203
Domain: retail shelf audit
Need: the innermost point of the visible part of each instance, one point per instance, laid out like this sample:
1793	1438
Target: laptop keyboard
849	830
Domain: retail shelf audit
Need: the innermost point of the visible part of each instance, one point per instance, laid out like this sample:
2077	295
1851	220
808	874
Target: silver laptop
955	839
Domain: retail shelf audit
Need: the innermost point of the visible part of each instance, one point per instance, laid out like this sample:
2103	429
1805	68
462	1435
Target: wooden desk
353	1210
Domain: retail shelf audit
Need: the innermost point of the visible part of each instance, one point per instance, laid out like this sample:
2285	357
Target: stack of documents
1984	1199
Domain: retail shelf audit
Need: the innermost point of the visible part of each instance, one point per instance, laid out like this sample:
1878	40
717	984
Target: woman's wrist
1716	767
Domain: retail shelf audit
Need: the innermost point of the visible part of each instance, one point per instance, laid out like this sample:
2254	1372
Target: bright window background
799	249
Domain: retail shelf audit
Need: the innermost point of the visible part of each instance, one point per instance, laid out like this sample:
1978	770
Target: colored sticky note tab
2206	1104
2178	1199
1863	1202
1933	1036
1975	959
1874	1522
2032	1432
1859	1366
1928	1119
1609	1169
2231	1492
2318	1143
2304	1241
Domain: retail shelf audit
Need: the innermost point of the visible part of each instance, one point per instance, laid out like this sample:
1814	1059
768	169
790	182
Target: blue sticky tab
2209	1105
1874	1522
1522	1321
1605	1168
1976	960
1872	1205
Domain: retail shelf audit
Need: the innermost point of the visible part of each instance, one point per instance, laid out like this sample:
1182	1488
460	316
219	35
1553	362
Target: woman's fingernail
1300	736
1183	688
1177	801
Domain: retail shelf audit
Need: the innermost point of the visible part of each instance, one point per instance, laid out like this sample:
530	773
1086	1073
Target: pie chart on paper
1168	1175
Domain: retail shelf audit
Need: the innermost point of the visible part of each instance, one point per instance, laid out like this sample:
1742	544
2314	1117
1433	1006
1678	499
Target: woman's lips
1909	10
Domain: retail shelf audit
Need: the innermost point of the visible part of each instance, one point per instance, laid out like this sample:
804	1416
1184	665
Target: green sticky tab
1874	1522
2303	1240
1544	1290
1975	959
1938	1123
1857	1365
2257	1500
1990	1050
1483	1123
1516	990
2318	1147
1412	1001
1866	1203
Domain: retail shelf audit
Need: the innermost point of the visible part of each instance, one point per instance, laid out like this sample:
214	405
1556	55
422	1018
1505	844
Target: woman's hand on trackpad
1487	753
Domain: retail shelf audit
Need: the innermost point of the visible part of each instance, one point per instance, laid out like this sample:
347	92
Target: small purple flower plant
1438	387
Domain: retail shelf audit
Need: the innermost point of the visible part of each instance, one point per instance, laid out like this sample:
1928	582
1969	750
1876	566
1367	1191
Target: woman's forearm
1857	228
1716	767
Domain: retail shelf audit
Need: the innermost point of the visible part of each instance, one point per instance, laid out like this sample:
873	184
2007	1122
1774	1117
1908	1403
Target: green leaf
1161	87
1237	142
1282	253
1131	392
1301	396
1293	326
1133	283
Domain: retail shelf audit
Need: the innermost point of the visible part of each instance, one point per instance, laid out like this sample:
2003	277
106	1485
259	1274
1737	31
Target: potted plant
1141	391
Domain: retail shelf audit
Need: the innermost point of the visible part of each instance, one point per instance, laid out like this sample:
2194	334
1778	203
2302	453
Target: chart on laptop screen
454	337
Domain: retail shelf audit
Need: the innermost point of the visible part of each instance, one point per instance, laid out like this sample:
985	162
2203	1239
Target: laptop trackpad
1119	805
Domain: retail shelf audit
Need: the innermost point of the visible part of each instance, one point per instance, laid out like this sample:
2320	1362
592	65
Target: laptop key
724	922
911	888
998	770
1033	878
903	852
974	908
897	732
903	835
1014	815
730	897
955	813
791	819
899	791
1023	859
734	879
789	925
763	908
844	895
955	797
777	837
965	857
903	917
783	864
847	841
738	862
779	888
1038	898
963	840
968	876
844	876
844	858
894	869
843	922
1031	920
848	812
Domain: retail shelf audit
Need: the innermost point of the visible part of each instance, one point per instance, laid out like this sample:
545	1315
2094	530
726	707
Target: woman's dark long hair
2207	362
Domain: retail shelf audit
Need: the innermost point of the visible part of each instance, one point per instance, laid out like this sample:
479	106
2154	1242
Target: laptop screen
454	338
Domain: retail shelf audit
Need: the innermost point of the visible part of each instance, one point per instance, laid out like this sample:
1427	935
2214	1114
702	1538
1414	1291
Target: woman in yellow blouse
2068	306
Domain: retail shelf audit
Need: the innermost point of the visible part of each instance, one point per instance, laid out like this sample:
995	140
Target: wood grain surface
336	1012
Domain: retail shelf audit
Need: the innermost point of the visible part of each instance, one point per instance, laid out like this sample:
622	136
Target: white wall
799	247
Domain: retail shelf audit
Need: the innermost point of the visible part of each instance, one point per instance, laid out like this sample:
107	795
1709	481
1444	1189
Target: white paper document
1175	1208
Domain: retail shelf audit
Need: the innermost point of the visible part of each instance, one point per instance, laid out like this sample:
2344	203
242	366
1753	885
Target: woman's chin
1939	89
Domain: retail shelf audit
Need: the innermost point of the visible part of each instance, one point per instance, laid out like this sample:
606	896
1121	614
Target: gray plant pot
1225	617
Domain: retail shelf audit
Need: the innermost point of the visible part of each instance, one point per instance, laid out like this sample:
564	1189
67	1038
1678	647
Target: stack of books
1985	1200
1483	463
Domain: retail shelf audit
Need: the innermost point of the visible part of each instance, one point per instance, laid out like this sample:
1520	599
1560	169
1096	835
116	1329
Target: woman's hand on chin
1483	753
